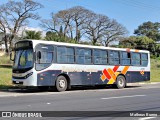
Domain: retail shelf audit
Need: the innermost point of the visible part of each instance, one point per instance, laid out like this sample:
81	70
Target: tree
80	16
113	32
149	29
101	29
72	21
14	15
53	36
32	35
60	23
77	22
95	27
137	42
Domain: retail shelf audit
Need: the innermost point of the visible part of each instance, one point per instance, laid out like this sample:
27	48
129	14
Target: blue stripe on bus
48	78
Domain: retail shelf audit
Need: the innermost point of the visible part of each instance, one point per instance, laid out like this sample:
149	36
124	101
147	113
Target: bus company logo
142	72
111	74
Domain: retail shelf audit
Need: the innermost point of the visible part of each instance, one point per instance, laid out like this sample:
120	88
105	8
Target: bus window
144	59
70	55
83	56
23	59
136	59
100	57
125	58
46	57
46	53
114	58
61	55
65	55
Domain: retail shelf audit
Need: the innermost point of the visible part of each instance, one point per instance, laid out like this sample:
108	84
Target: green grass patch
5	77
155	70
5	60
5	72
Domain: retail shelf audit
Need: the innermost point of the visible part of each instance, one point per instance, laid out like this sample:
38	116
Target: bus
47	63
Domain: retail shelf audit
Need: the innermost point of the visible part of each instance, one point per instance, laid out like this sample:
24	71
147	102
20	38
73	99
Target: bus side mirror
11	55
38	55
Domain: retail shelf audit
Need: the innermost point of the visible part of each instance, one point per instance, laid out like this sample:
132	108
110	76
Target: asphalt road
144	97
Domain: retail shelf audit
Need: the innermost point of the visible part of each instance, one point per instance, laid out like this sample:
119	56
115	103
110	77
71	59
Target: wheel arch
121	75
124	78
67	78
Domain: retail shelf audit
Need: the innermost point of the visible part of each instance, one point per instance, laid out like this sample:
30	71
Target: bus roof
35	42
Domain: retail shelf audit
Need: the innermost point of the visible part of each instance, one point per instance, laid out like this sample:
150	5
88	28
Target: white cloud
32	28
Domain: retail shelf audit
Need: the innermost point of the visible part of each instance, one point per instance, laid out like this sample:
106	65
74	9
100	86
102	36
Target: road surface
140	97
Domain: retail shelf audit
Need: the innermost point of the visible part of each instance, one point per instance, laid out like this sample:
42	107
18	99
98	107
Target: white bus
46	63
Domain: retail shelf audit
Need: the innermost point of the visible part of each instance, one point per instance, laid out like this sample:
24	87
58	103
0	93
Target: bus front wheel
61	83
120	82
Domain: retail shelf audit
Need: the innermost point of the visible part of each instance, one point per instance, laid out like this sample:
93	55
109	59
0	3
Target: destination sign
25	44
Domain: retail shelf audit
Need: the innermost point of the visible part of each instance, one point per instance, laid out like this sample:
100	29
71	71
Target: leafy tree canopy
137	42
149	29
53	36
33	35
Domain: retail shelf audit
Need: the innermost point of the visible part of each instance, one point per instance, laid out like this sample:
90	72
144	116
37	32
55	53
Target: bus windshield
23	59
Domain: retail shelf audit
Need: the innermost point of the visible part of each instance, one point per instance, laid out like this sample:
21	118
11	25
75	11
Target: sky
129	13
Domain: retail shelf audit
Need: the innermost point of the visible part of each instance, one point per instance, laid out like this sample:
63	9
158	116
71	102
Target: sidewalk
143	83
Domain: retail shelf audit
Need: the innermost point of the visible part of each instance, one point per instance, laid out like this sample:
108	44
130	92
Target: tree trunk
94	41
106	44
6	45
77	33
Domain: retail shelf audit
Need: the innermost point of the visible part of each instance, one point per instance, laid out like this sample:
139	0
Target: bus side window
100	57
61	58
88	56
44	56
65	54
80	56
144	59
70	55
136	59
125	58
114	58
83	56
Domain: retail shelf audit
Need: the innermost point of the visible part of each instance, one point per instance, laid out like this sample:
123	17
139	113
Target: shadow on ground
21	89
6	66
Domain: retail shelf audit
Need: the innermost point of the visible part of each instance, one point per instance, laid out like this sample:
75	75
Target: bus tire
120	82
61	83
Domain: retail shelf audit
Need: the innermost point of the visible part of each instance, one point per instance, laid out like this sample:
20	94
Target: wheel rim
121	82
62	83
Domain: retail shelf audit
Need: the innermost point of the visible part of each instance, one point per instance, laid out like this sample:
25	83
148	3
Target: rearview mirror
38	55
12	55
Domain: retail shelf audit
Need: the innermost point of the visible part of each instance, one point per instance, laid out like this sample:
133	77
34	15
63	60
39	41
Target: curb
143	83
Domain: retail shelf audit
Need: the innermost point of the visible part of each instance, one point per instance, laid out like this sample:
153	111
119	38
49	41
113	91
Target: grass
5	60
155	70
5	77
6	72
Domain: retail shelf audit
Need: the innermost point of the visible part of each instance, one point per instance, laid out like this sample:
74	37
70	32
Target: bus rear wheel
61	83
120	82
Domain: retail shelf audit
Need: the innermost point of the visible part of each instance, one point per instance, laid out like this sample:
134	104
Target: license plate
17	81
